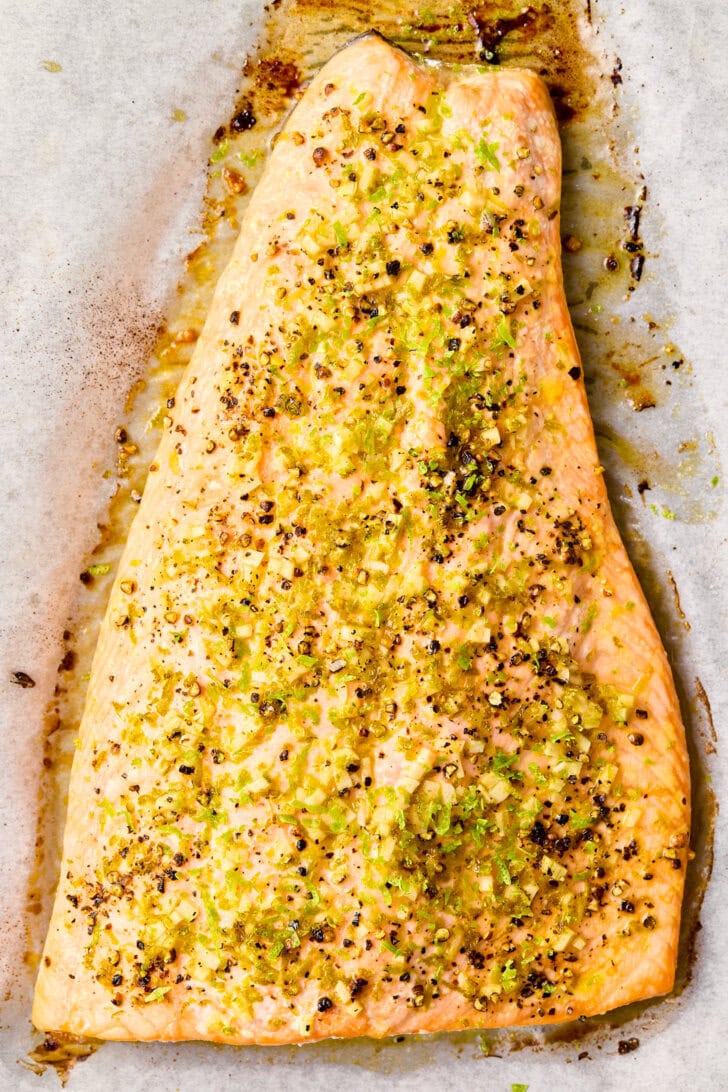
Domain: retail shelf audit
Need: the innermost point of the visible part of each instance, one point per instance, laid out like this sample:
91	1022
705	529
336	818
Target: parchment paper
92	242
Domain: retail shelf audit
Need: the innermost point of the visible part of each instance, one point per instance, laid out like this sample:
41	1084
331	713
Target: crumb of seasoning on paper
665	512
519	1088
179	115
52	66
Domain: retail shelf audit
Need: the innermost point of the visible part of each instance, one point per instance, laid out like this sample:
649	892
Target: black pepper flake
234	317
626	1046
22	679
626	906
400	389
186	769
575	373
393	267
117	980
433	646
324	1004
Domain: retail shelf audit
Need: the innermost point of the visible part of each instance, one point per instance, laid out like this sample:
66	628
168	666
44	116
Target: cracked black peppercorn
243	120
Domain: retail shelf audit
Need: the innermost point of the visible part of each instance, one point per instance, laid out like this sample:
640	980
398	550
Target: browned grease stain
676	476
601	273
676	595
61	1053
711	740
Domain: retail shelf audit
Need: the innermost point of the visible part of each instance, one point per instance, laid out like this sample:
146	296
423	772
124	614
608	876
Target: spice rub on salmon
380	736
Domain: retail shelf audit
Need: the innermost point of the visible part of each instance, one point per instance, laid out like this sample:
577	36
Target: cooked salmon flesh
380	736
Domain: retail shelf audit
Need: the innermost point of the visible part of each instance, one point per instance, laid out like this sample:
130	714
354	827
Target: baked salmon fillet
380	736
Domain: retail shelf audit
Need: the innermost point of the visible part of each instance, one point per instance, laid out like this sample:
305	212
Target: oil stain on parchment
629	360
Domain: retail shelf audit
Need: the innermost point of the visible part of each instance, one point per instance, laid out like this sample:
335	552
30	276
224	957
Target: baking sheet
101	192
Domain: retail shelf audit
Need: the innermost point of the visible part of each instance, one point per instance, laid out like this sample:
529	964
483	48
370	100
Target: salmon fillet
380	736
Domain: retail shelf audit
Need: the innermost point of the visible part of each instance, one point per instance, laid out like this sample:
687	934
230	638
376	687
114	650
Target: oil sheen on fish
380	736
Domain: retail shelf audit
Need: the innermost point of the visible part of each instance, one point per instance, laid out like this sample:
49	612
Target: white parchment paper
99	197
